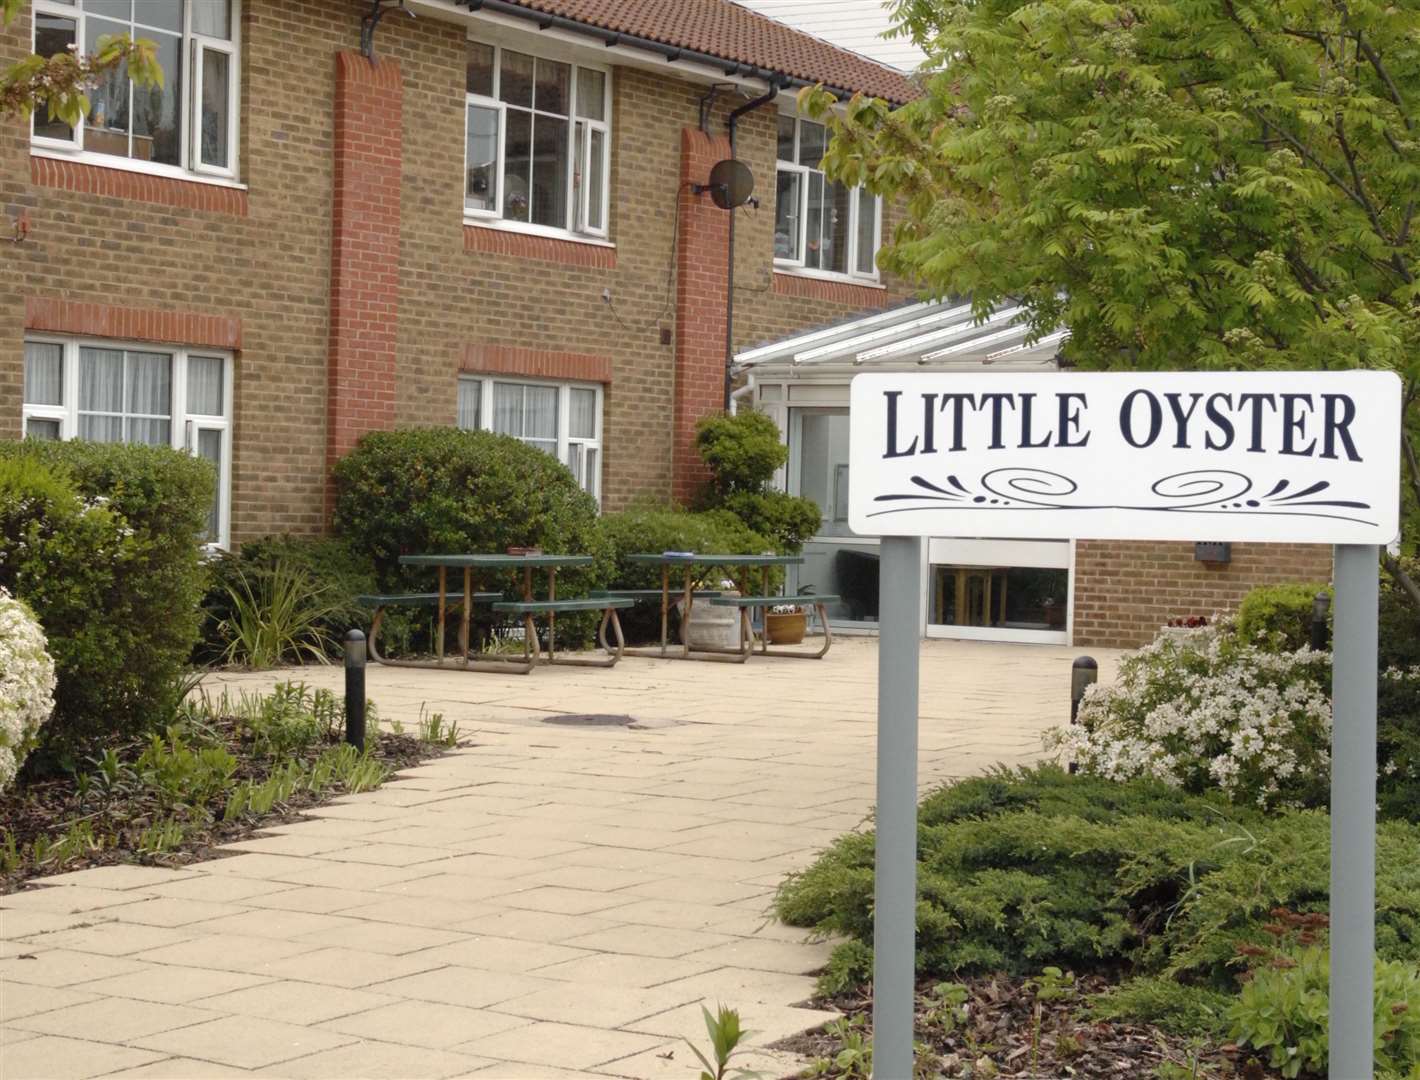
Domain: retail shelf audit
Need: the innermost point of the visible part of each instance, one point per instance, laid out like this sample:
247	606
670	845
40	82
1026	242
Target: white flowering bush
26	684
1205	709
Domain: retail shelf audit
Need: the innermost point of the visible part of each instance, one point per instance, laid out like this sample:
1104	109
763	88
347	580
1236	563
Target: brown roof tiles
727	30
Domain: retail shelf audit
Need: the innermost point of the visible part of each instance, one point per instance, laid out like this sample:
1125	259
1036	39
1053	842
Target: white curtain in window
470	391
211	18
582	414
508	408
101	391
149	378
574	461
44	373
209	448
204	385
540	417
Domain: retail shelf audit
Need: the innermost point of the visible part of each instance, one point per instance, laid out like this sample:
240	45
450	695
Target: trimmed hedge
438	490
1279	617
103	541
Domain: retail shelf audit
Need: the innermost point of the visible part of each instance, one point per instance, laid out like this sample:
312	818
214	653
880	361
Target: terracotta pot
785	629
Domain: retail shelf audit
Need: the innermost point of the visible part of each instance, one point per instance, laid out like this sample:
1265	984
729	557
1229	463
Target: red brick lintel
835	292
90	179
535	363
492	241
54	316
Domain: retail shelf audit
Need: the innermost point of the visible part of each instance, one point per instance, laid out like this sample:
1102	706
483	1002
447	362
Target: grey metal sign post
1255	456
1353	813
895	896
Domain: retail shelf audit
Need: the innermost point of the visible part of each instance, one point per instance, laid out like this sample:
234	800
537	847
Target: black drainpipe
776	83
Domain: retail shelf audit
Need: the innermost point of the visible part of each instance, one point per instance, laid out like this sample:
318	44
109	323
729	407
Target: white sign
1267	456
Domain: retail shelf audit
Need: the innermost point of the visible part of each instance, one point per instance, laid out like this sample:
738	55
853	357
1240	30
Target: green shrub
1279	617
1018	870
443	490
743	451
103	542
329	568
1283	1012
785	520
649	527
1181	1008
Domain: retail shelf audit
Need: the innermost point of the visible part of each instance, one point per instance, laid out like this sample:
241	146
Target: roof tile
727	30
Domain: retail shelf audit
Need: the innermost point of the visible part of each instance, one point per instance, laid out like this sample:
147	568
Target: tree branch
1401	578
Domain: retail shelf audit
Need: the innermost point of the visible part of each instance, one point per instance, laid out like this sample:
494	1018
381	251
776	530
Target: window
108	391
538	141
820	224
563	419
186	126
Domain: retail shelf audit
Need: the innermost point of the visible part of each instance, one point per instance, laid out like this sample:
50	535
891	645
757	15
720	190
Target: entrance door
1000	590
835	561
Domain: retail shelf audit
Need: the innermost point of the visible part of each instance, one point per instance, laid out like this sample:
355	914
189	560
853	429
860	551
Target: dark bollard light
1321	605
355	689
1083	672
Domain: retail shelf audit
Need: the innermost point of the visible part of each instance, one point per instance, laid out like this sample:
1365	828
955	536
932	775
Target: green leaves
58	82
1140	158
725	1036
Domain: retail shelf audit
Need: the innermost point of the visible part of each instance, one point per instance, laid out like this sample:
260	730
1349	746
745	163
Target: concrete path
548	901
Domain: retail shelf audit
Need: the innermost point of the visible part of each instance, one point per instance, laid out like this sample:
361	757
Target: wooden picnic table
689	561
470	563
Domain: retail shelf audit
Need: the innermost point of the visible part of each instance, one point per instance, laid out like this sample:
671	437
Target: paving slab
543	902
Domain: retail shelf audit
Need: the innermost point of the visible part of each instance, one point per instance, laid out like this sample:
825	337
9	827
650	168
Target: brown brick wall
261	257
1126	590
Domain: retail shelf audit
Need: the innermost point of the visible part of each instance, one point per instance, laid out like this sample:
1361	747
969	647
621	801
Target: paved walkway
548	901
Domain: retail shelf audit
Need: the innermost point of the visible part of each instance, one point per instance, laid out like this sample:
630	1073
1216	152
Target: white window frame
193	44
564	412
800	265
578	196
183	425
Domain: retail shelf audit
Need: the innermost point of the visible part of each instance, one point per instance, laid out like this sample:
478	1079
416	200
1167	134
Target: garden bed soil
998	1037
48	806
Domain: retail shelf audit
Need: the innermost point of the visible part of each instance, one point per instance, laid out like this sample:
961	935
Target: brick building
497	220
493	222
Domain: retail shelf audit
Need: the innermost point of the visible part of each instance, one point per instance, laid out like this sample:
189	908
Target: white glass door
836	562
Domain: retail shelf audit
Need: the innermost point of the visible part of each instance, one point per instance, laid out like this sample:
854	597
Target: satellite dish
731	184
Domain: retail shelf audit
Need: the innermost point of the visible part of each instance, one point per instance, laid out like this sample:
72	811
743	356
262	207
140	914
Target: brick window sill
119	181
569	251
834	290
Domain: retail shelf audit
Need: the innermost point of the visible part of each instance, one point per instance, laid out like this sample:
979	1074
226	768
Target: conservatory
978	587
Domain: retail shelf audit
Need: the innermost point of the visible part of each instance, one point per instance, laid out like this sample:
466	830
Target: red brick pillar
364	279
701	295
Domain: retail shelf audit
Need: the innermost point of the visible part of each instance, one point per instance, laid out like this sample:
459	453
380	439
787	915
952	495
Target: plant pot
711	627
786	628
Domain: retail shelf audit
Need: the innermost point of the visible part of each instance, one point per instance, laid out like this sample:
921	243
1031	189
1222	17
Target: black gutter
546	21
775	84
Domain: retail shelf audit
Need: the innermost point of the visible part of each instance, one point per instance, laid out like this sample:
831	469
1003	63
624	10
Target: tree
1183	183
58	83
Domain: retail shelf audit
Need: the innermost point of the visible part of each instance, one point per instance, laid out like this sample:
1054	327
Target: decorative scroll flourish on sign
1198	490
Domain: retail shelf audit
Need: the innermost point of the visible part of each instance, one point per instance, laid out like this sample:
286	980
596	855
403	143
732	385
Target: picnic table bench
529	609
380	601
746	604
689	562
